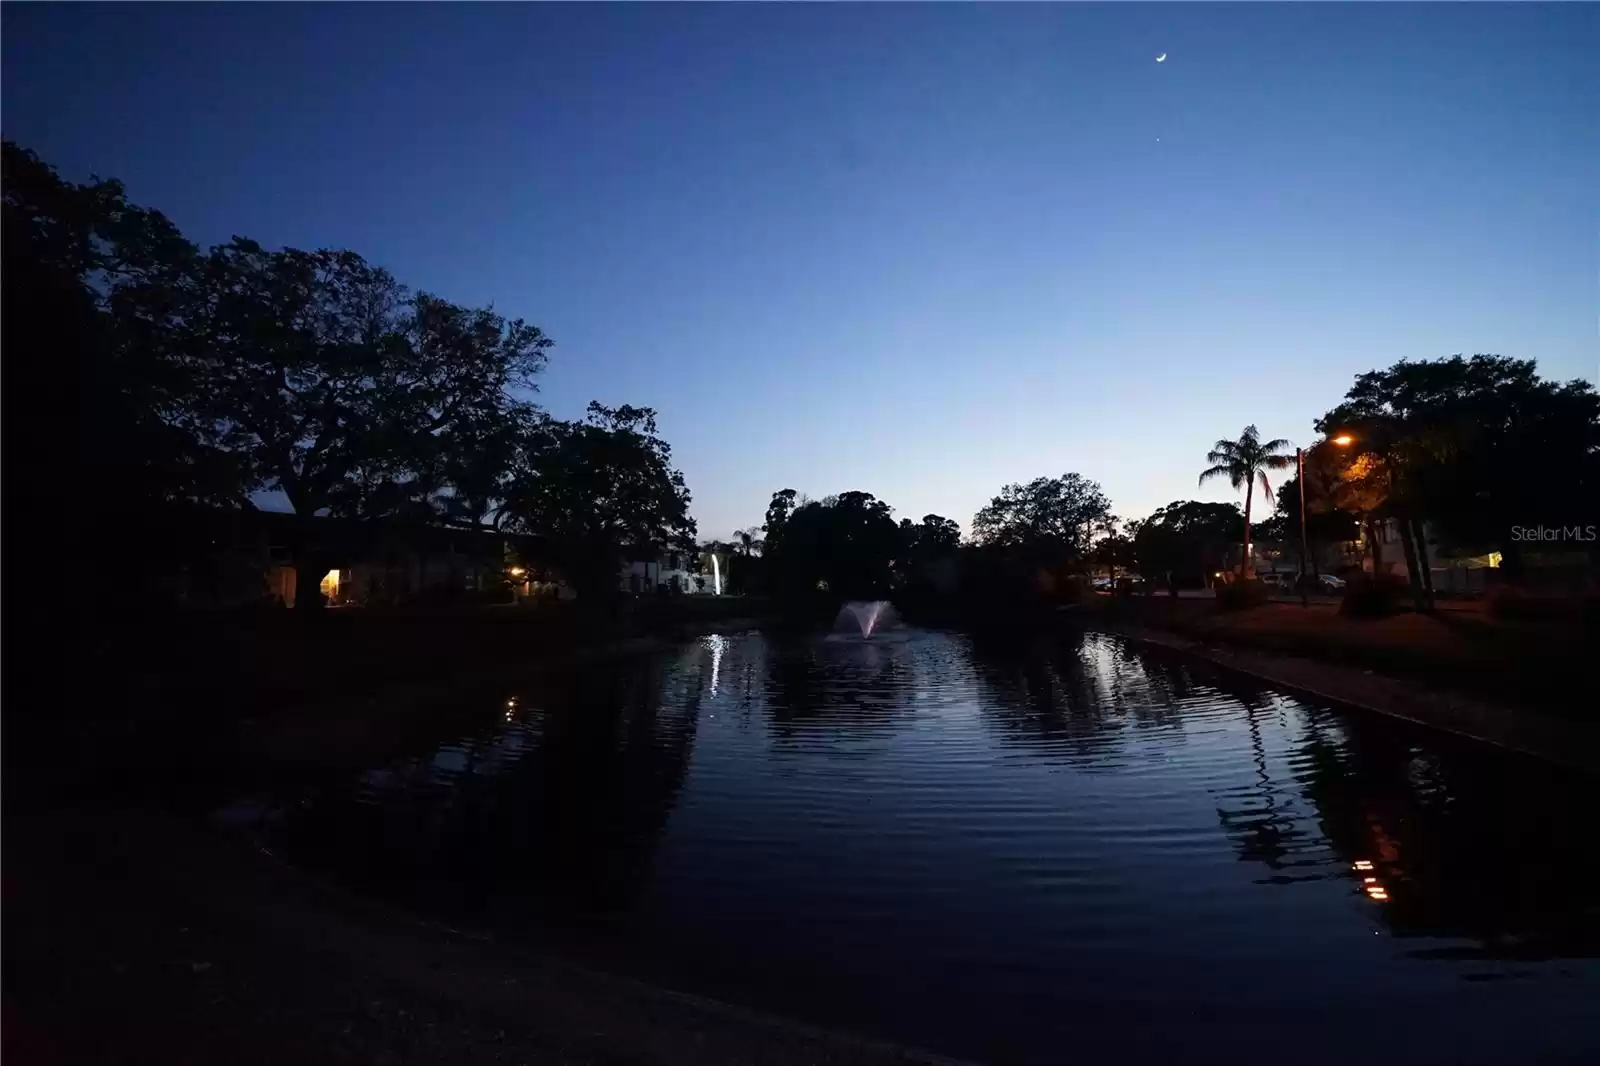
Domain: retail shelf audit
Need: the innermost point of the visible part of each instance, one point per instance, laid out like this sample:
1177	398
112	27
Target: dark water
1013	853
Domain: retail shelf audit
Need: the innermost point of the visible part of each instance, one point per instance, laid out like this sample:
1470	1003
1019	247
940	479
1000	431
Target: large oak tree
599	490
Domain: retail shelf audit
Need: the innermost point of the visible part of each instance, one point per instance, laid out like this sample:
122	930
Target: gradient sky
918	251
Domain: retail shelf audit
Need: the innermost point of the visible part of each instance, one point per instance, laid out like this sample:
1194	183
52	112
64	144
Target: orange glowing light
1344	439
1363	864
1377	892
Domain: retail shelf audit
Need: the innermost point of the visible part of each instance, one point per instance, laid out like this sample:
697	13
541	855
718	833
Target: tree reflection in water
1081	697
560	801
1445	843
995	843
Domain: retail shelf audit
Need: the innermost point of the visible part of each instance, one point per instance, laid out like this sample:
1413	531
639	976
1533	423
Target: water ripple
988	848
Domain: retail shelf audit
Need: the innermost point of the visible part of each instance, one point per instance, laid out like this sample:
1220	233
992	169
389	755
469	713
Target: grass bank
1537	665
1524	685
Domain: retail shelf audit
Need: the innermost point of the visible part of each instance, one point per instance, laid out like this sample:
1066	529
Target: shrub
1238	595
1373	595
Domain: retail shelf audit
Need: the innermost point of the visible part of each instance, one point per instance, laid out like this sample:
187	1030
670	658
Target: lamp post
1342	440
1300	476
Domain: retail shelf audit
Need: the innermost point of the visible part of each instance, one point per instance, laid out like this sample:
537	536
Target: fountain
863	616
716	574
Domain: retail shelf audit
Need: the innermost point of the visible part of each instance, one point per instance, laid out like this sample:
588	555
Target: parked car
1323	584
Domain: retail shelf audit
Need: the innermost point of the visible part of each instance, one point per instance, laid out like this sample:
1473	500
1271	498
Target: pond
1012	853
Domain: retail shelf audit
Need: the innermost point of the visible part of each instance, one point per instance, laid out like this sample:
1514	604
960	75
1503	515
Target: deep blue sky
919	251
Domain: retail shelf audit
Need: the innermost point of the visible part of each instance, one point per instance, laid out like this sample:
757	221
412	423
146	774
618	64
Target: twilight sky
918	251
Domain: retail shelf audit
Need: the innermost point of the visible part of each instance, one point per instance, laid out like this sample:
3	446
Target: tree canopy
1189	540
596	489
161	374
340	388
1049	518
1475	445
98	297
846	544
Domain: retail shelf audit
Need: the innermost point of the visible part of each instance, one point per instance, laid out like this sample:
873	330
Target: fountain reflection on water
717	643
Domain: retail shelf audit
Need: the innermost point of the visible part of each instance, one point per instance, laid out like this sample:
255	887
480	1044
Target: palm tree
749	541
1244	462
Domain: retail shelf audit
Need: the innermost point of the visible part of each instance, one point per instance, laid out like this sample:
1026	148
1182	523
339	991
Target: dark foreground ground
135	937
138	932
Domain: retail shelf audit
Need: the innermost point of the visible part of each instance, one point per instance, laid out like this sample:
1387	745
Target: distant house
1449	573
380	563
655	572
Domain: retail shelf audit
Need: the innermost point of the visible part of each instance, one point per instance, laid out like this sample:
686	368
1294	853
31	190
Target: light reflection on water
1002	850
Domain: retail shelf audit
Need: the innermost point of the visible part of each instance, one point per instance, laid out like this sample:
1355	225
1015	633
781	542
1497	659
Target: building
395	564
657	572
1449	573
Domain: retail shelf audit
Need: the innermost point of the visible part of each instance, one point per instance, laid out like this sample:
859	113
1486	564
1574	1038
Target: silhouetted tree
1114	548
846	544
343	391
1477	446
1048	519
207	377
924	547
1185	541
596	489
101	393
778	511
100	423
1245	462
936	535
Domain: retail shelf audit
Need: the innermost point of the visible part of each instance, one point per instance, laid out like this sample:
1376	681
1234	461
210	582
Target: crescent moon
1162	58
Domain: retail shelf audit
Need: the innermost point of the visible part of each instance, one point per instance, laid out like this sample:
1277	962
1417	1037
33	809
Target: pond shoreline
341	730
1568	742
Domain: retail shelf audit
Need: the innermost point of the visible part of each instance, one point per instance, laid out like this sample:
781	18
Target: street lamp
1343	440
